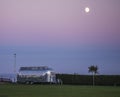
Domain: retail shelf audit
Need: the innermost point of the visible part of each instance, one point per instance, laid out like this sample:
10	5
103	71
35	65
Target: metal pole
15	67
14	63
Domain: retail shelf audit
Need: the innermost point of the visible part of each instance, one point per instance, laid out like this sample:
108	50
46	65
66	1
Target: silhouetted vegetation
75	79
94	70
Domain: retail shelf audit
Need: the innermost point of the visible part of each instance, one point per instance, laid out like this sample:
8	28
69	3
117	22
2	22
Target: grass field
14	90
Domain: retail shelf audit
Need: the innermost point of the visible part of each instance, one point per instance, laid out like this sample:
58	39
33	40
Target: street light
15	67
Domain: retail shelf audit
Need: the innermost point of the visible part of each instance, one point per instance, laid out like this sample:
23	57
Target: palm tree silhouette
94	70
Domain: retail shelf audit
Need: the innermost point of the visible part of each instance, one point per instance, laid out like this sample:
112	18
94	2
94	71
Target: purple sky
60	34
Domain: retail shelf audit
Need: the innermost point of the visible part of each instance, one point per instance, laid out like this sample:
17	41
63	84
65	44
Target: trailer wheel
27	82
31	82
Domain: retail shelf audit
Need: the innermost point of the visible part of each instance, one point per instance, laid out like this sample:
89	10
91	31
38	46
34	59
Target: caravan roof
33	68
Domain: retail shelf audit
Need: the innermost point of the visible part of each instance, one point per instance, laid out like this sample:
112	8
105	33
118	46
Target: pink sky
61	33
59	22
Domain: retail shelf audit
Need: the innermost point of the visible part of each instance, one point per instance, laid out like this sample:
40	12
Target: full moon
87	9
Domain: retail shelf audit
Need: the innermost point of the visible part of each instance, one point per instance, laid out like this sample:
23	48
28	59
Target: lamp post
15	67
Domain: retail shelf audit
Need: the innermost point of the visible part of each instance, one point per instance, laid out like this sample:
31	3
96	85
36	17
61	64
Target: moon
87	9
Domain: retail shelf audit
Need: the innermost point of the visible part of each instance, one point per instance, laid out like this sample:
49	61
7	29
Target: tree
94	70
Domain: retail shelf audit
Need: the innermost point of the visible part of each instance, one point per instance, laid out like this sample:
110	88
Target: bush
75	79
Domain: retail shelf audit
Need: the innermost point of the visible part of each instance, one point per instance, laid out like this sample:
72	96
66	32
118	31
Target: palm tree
94	70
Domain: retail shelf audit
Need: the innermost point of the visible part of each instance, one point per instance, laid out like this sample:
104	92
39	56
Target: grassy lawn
12	90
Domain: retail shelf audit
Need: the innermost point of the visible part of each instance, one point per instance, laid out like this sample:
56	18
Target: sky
61	35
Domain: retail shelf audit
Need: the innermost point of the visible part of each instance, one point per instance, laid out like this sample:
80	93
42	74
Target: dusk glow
60	34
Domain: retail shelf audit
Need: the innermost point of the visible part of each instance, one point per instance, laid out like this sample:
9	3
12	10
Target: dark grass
17	90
